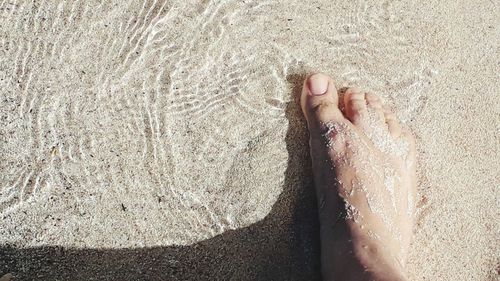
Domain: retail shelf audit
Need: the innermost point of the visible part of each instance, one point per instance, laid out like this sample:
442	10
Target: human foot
364	173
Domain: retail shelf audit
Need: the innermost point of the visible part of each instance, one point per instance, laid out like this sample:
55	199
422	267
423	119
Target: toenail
318	84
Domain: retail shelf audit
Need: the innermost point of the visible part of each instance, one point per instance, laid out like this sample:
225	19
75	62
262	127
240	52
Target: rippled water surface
164	122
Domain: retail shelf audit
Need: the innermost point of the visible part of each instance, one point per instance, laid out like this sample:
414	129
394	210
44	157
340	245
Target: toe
392	122
373	100
365	111
319	101
355	105
375	106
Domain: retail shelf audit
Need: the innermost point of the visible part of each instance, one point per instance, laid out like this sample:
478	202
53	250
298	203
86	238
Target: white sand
125	125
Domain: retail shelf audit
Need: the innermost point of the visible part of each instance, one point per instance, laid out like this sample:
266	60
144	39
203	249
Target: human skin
365	179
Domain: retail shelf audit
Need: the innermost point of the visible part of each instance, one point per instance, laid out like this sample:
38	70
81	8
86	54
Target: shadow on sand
283	246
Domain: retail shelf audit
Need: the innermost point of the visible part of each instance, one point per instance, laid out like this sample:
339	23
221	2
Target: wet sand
162	140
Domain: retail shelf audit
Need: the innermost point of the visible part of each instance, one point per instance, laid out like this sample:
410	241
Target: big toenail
318	84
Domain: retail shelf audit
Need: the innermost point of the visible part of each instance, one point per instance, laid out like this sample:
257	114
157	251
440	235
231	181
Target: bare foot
364	173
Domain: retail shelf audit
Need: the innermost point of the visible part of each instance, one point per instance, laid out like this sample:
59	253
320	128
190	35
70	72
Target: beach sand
162	140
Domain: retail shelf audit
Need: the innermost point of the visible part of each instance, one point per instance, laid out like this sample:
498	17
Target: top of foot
364	172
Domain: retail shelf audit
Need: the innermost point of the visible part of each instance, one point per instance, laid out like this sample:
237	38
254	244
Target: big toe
319	101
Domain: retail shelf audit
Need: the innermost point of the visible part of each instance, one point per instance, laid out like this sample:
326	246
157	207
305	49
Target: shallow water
163	107
128	123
